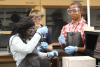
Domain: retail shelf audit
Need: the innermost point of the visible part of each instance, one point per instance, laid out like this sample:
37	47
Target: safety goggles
36	17
73	10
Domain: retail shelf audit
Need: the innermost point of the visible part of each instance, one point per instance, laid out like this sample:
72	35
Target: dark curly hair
21	27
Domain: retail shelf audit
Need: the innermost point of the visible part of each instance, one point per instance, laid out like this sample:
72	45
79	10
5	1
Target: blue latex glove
52	54
44	45
39	49
61	39
71	49
42	30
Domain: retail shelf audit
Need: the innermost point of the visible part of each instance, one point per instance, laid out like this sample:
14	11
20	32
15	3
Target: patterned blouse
75	27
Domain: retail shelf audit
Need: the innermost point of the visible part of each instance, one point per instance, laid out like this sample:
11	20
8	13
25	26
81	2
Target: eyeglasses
36	15
74	10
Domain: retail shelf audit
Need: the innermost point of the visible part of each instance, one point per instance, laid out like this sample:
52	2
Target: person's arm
50	54
42	54
18	45
81	49
62	37
63	31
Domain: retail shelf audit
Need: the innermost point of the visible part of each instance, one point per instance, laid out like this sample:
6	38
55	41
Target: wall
6	60
46	2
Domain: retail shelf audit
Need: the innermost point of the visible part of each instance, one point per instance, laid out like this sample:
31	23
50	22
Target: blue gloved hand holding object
42	30
52	54
71	49
44	45
39	49
61	39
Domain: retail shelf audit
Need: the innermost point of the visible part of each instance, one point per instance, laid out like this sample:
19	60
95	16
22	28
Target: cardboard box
78	61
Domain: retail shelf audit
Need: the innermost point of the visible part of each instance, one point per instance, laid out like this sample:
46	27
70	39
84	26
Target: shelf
5	32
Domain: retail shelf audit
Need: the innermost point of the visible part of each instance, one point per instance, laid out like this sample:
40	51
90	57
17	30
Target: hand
39	49
52	54
42	30
44	45
61	39
71	49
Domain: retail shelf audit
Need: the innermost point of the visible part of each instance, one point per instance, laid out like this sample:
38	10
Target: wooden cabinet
6	60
